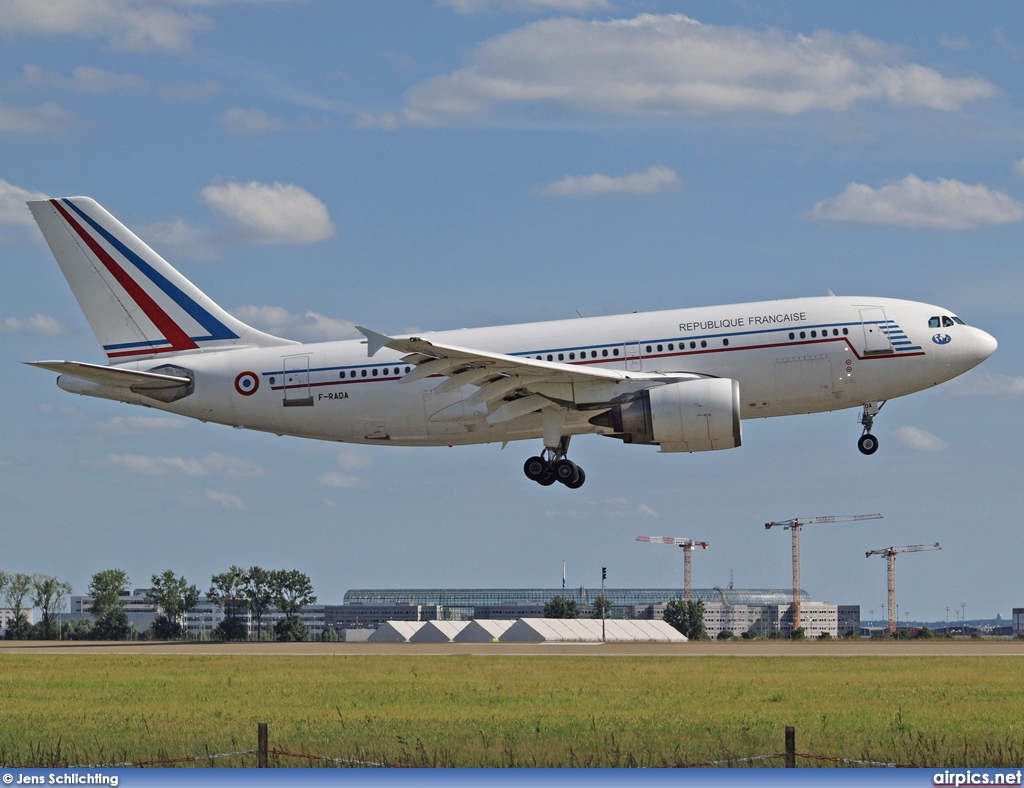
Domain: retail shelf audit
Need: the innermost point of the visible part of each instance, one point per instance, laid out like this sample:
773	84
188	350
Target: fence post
261	746
790	747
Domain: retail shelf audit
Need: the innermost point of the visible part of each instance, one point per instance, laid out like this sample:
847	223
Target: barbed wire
383	765
346	761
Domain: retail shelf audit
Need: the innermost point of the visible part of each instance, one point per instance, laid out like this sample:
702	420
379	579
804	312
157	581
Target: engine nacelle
692	415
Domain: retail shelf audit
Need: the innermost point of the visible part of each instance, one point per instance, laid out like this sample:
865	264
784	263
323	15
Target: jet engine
691	415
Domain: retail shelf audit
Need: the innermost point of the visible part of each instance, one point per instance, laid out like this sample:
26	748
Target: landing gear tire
578	482
535	468
566	471
552	466
868	443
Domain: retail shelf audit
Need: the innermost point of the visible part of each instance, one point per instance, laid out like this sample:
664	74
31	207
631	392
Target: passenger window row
363	373
582	355
814	334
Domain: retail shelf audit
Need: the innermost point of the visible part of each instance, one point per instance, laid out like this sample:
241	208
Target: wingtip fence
263	752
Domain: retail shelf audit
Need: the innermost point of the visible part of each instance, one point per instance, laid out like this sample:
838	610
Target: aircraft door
296	381
876	333
634	363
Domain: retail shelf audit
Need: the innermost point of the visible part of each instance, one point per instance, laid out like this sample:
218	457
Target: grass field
511	711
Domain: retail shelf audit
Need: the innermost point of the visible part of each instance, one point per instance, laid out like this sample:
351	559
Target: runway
760	648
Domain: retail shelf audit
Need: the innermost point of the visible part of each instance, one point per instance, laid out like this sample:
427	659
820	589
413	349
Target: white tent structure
483	630
576	630
395	631
438	631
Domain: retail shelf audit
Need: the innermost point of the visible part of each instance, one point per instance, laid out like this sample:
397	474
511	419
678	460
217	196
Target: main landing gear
552	466
868	443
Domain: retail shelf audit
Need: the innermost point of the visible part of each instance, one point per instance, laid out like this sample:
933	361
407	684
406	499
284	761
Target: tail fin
137	304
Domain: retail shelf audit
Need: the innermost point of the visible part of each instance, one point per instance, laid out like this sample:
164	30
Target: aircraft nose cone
986	345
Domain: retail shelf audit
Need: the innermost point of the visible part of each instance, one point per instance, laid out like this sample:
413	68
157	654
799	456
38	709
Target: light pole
947	620
604	602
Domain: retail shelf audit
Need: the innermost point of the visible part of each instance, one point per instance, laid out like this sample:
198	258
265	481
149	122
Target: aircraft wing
138	382
497	375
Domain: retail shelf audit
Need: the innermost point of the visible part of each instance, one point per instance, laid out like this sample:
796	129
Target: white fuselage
793	356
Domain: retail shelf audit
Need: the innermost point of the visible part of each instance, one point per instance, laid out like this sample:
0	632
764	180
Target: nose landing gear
552	466
868	443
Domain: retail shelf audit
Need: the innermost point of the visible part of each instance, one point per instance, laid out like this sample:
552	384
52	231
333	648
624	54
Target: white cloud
211	465
342	481
940	204
134	425
129	25
351	461
528	6
309	325
40	324
277	213
248	121
919	440
191	91
961	44
653	180
989	384
48	118
607	509
179	235
672	65
225	500
12	204
84	79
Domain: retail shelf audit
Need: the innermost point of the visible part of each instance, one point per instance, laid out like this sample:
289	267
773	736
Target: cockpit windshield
944	321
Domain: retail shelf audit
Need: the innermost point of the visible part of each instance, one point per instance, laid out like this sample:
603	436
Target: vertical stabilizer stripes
178	339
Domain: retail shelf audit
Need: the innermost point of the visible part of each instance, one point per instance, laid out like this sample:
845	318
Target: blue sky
311	165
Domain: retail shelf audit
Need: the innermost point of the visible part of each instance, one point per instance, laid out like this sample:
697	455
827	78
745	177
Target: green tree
291	630
560	607
173	597
49	594
798	634
259	592
107	587
15	588
687	618
292	592
229	629
725	634
227	591
602	608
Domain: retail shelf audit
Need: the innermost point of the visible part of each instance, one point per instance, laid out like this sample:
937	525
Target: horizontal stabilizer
111	376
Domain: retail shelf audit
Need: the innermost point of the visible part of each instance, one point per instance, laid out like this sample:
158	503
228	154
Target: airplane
682	380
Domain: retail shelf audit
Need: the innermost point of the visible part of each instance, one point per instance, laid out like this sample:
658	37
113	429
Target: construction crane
688	546
890	557
795	525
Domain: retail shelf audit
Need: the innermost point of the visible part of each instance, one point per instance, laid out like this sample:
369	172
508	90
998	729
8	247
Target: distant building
848	620
456	604
370	616
816	619
7	616
1018	621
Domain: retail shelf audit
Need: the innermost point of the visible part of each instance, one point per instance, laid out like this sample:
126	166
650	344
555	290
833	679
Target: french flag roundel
246	383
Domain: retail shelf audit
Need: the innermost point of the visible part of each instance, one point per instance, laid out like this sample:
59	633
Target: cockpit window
959	321
947	321
933	322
